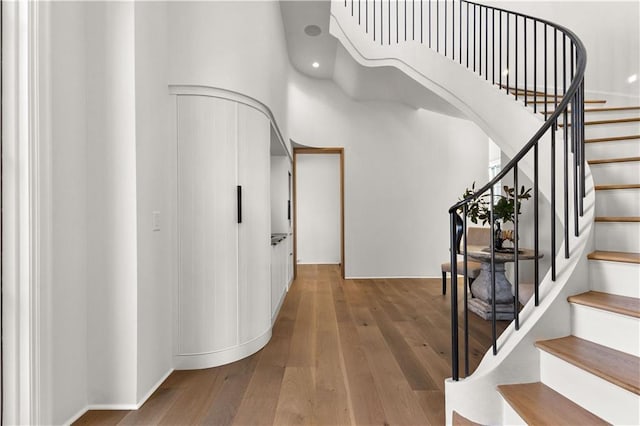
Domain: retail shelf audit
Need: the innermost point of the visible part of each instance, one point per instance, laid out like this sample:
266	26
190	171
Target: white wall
238	46
399	180
318	208
65	331
155	148
111	203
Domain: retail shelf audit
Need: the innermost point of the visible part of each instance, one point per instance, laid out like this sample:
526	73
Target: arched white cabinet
223	290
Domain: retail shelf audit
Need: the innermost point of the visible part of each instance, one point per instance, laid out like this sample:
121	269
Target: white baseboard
137	406
153	389
397	277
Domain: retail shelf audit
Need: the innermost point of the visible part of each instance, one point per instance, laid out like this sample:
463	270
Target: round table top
483	254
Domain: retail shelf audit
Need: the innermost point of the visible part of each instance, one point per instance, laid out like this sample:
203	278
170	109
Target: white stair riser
616	173
604	399
619	332
509	415
610	115
618	236
614	149
617	129
618	202
615	277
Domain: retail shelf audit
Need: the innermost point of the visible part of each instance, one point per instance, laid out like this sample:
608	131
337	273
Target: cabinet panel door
254	232
207	228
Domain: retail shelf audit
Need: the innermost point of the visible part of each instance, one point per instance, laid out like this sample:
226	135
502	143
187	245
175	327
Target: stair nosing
617	186
526	415
547	346
613	139
585	299
613	160
612	121
617	219
614	256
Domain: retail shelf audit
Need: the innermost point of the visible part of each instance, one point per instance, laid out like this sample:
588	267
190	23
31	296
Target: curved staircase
586	307
593	375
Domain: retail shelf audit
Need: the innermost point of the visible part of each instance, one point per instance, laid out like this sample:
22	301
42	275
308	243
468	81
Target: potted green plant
504	209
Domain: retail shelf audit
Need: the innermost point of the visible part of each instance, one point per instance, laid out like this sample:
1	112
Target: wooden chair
476	236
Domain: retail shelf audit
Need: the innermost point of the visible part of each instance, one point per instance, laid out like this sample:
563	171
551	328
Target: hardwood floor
342	352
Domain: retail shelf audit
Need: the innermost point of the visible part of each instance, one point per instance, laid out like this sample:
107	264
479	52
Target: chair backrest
477	236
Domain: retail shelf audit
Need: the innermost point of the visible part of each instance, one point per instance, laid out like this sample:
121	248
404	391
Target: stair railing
539	54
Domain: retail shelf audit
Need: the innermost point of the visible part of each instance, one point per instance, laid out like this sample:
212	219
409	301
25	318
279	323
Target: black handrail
572	69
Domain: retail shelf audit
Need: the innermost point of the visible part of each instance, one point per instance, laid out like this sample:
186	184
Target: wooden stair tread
538	404
625	219
614	256
614	160
616	367
612	139
619	186
611	121
623	305
604	109
460	420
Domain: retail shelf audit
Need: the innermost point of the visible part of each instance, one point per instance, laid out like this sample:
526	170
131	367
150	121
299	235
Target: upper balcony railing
538	62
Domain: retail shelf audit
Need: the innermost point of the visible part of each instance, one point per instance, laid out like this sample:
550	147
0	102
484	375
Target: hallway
342	352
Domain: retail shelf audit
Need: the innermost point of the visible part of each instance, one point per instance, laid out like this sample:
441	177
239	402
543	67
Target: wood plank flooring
355	352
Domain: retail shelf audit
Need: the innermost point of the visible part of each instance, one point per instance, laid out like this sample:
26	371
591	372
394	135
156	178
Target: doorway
318	203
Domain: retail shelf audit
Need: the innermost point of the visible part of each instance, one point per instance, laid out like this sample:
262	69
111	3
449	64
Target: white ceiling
359	82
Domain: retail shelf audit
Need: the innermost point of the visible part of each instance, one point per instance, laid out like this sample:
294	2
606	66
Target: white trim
396	277
22	241
216	92
221	357
76	416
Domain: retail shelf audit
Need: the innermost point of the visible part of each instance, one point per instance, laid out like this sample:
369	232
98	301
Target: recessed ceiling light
312	30
315	65
632	78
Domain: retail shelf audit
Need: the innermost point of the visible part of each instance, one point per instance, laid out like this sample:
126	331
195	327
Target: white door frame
26	207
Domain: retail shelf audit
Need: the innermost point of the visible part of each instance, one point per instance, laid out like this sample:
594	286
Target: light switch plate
155	221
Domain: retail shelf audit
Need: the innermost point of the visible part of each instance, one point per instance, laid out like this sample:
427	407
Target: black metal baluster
535	69
475	37
437	25
466	295
373	7
516	275
486	44
460	30
536	229
359	12
494	334
575	162
515	82
545	72
555	74
405	20
397	23
351	7
467	35
389	21
421	25
453	30
582	156
480	44
526	93
429	24
413	20
454	299
508	64
493	45
445	28
553	201
500	48
566	149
